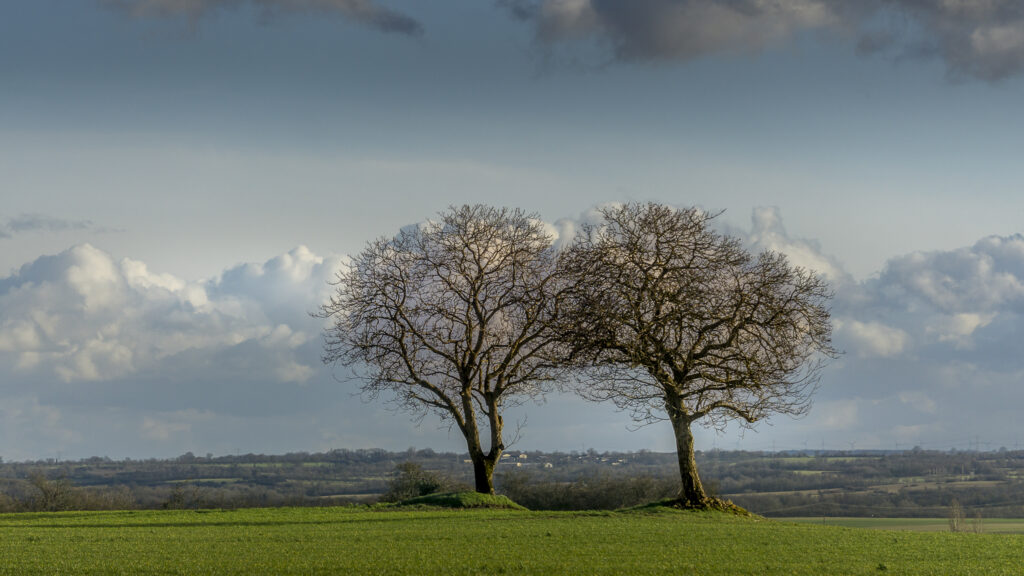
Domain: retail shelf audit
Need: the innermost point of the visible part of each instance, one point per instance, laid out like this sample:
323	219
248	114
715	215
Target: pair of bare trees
649	308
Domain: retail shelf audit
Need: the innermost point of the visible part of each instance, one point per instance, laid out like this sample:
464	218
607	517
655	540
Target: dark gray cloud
43	223
670	29
983	39
366	12
974	39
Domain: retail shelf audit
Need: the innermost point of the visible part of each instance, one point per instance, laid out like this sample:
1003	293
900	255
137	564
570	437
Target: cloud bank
365	12
932	355
983	39
82	316
104	354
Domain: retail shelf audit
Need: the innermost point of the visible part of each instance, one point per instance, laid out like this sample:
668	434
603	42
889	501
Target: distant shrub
183	497
55	495
50	495
8	504
411	481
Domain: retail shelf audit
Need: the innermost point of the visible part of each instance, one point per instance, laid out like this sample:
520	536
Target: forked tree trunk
691	490
483	465
483	473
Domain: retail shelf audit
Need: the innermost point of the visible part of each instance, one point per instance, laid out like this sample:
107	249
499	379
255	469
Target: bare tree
675	321
51	495
452	317
957	521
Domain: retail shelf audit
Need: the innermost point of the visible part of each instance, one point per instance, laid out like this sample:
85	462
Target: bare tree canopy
676	321
453	317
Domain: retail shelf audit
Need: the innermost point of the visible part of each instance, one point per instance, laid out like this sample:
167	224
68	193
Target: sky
180	180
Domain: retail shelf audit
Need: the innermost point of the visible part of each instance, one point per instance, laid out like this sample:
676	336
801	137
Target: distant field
825	459
987	526
905	483
368	541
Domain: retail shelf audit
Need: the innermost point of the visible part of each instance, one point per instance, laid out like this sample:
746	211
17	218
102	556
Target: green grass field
987	525
397	541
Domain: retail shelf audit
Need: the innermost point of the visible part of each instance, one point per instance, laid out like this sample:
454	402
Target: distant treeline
909	483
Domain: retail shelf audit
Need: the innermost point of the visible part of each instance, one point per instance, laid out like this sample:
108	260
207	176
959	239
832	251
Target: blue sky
179	179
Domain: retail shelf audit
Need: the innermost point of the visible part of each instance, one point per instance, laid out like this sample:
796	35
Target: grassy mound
708	504
462	500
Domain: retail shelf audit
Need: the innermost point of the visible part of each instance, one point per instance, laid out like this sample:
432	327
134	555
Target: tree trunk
691	490
483	462
483	473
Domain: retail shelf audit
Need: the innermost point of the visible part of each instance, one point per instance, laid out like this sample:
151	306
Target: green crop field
397	541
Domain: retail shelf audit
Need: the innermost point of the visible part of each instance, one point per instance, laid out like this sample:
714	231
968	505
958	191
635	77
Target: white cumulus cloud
985	277
871	339
768	233
83	316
